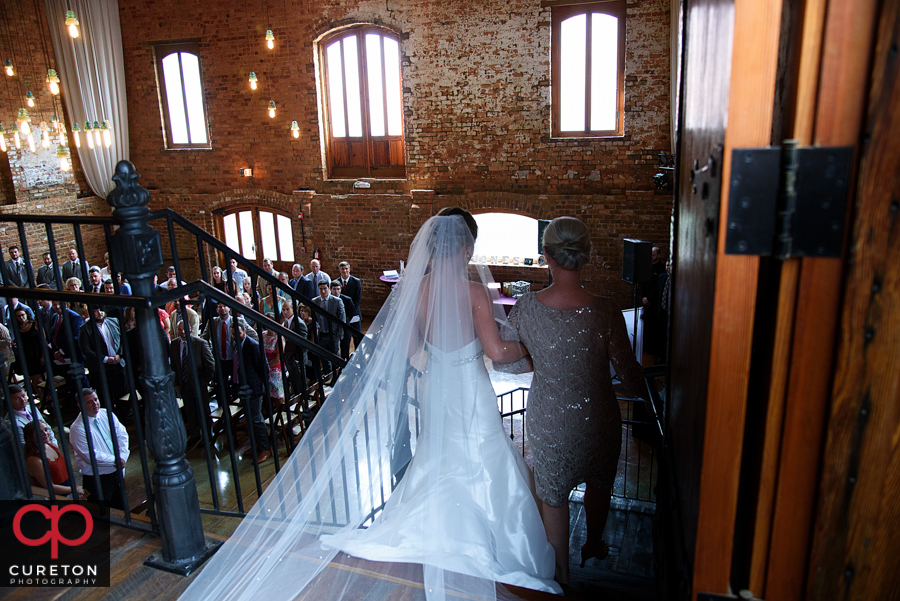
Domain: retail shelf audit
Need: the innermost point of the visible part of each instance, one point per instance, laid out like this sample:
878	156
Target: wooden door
258	233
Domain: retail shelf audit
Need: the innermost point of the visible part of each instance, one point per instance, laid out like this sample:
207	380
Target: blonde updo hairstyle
568	242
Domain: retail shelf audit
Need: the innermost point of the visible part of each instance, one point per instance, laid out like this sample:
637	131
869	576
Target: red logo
53	514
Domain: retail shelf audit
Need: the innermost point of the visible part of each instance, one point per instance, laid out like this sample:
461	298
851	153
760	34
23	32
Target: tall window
588	67
363	104
258	234
181	96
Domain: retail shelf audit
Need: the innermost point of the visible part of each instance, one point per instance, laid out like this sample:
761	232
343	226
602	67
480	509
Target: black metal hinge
788	201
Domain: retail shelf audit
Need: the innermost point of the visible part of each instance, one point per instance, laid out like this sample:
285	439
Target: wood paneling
856	539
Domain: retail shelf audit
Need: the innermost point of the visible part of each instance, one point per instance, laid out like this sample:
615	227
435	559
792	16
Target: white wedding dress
406	477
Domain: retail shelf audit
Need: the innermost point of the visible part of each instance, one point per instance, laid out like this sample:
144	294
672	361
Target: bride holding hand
406	477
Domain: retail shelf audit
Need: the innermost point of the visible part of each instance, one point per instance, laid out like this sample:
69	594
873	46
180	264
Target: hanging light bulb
2	138
54	121
272	109
30	138
9	68
29	99
89	134
45	135
270	39
62	153
17	140
107	138
295	129
23	119
53	81
62	134
72	23
252	80
75	135
98	136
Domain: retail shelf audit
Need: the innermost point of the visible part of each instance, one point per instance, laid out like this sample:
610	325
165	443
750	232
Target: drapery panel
92	74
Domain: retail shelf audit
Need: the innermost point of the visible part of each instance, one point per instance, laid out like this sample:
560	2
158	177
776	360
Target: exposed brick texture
476	81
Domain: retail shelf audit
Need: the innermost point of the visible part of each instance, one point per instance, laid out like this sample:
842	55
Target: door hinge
788	201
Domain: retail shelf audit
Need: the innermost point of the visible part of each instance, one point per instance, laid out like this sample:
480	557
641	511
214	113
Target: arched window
181	96
363	102
258	233
506	235
588	69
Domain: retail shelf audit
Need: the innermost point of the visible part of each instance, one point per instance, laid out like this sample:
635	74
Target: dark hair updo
568	242
470	221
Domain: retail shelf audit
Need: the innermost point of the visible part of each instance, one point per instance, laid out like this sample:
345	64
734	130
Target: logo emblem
53	535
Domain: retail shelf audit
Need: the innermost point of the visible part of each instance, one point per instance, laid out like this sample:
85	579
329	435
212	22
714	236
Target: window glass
604	71
267	232
336	90
285	238
392	83
175	98
231	232
506	235
376	90
247	239
193	92
351	78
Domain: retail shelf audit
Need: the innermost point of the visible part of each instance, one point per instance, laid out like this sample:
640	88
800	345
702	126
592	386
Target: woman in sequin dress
574	421
273	358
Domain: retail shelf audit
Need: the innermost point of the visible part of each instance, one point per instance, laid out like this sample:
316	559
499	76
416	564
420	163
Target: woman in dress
56	463
574	421
406	469
273	358
28	347
267	306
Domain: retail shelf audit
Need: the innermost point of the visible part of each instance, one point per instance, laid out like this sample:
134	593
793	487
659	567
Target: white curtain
92	74
675	42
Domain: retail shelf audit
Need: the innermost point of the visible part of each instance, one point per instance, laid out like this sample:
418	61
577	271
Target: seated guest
352	313
104	454
205	367
56	463
22	412
100	341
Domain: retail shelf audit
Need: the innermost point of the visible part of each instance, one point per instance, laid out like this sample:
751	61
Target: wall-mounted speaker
636	261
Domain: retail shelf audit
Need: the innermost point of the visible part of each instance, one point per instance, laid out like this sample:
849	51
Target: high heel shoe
601	553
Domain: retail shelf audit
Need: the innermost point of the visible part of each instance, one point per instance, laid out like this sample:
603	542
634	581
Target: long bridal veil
404	394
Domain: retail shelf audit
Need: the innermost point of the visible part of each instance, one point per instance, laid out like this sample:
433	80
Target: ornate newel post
137	250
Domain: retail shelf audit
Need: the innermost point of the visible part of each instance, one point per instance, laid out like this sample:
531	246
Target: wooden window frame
255	209
161	51
615	8
396	145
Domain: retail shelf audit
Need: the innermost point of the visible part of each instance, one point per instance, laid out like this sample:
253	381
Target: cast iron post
136	247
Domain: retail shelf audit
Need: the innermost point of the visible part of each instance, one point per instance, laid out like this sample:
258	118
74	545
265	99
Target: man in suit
95	281
330	332
316	275
66	353
220	334
72	268
351	311
100	341
15	268
261	282
205	366
352	287
46	273
252	371
301	283
294	355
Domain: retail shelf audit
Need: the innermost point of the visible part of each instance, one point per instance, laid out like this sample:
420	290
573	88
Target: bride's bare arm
486	329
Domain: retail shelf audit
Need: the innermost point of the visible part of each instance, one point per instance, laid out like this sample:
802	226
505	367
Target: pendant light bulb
17	140
29	99
72	23
252	80
30	139
270	39
53	81
9	68
107	137
98	135
75	135
23	120
62	153
45	135
89	134
271	109
295	129
54	121
2	138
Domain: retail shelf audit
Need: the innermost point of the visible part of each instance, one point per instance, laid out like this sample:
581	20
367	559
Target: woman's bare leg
556	522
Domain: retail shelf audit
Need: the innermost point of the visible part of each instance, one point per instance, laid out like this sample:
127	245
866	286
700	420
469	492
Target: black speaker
542	225
636	261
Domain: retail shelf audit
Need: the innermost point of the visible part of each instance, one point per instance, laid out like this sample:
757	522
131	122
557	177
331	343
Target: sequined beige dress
573	419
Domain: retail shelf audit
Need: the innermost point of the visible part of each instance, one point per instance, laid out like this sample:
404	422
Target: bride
405	483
